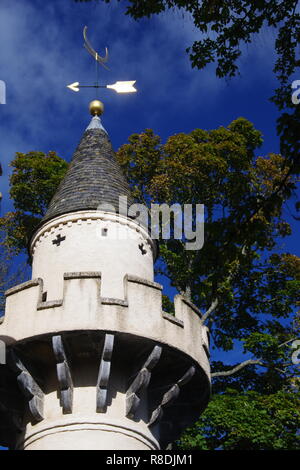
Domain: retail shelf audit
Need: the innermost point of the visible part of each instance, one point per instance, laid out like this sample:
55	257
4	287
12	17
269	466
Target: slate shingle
94	177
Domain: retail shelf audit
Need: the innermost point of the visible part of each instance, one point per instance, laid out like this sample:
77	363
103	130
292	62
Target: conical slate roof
94	177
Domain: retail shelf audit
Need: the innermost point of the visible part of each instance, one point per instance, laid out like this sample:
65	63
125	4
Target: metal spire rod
91	86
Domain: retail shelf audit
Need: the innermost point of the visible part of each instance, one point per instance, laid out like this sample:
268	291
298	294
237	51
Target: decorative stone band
99	426
91	217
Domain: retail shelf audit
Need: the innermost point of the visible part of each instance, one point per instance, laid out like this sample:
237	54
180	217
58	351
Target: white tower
92	360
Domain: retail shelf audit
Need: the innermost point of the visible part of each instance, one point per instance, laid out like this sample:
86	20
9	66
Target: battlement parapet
29	313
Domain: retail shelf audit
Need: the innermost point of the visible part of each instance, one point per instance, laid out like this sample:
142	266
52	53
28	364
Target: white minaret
92	360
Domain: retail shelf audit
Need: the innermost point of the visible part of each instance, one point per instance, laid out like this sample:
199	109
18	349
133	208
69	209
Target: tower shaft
93	361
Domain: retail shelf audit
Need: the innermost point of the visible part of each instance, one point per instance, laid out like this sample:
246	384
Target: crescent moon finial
89	48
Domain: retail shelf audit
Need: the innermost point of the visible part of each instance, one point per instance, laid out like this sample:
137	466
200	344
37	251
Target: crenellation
138	310
173	319
111	301
83	275
23	286
49	304
144	282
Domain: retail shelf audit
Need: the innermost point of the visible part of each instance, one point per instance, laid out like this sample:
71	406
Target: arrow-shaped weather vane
119	87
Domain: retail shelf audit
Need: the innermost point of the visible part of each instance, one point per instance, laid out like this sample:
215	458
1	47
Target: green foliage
243	221
167	305
33	182
256	286
247	421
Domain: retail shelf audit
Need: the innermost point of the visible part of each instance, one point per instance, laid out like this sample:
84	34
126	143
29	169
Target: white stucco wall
94	241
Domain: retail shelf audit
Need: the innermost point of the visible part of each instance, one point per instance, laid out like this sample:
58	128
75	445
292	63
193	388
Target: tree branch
276	189
287	342
215	302
236	368
212	307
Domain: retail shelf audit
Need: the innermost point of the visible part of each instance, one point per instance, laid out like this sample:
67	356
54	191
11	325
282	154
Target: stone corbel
104	373
63	375
29	387
171	395
141	382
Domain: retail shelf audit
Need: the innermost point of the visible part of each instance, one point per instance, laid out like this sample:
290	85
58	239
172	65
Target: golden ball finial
96	108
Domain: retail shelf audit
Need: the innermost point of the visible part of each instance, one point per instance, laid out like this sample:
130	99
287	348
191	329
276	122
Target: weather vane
119	87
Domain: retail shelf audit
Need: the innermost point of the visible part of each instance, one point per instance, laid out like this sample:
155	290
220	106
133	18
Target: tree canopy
238	278
34	180
247	421
246	287
245	284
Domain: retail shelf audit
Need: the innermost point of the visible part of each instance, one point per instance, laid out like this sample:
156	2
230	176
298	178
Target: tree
247	421
246	287
34	180
224	27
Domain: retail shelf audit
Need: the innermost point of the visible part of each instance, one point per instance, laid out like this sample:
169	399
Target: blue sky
41	51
